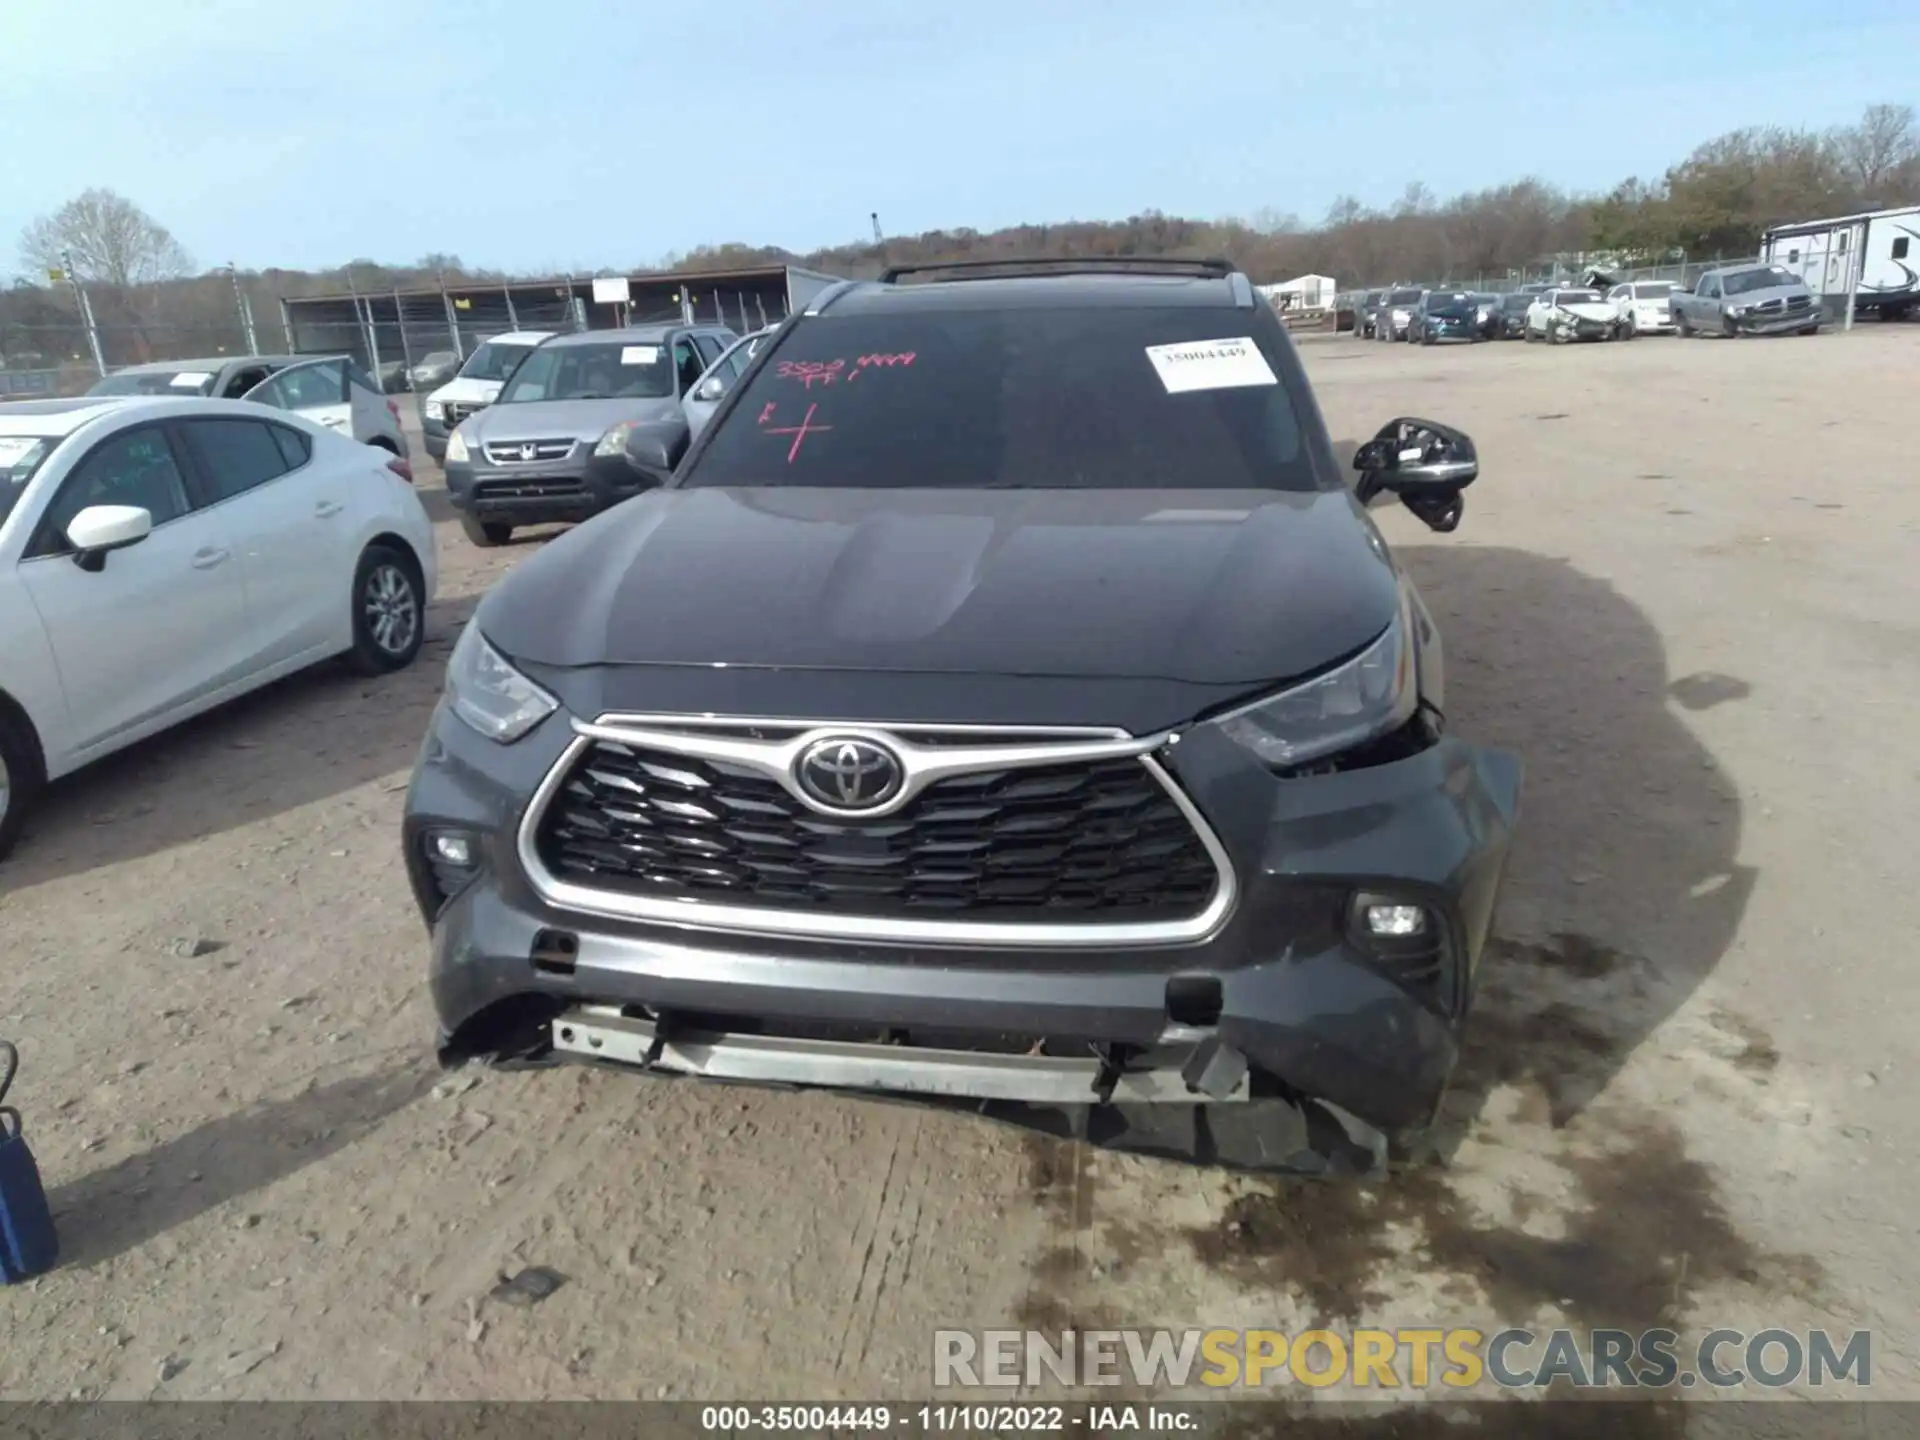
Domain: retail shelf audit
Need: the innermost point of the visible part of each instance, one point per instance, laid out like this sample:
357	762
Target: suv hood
1211	587
463	391
1750	298
551	419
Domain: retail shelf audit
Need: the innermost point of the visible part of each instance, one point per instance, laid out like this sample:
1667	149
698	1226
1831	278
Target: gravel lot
1684	590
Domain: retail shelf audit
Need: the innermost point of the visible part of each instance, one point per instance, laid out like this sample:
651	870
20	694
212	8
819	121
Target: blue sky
582	133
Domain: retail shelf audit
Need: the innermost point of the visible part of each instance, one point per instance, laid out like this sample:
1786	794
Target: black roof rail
826	297
1064	265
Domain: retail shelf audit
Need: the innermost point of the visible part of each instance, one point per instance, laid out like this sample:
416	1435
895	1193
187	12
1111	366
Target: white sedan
161	556
1558	316
1642	307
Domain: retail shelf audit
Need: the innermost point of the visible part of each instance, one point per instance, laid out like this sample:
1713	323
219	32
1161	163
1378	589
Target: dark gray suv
1005	703
552	447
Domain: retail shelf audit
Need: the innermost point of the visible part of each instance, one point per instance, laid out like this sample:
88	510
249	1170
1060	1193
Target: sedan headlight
615	440
1372	694
489	694
456	448
436	410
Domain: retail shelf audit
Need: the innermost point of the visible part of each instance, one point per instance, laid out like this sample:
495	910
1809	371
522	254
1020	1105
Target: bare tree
111	240
1872	151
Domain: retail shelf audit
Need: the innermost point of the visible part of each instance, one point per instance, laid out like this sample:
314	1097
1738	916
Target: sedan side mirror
100	529
654	449
1425	463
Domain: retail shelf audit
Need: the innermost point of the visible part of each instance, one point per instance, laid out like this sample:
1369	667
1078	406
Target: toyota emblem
843	772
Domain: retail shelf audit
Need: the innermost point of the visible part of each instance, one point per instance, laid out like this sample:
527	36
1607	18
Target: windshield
1373	297
1403	297
1742	282
20	456
592	372
1448	300
1516	302
1653	290
155	382
1578	297
1016	400
493	361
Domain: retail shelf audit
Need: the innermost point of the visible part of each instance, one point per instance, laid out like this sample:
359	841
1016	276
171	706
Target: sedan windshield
1149	398
1653	290
155	382
1403	297
493	361
1578	297
20	456
592	372
1514	304
1742	282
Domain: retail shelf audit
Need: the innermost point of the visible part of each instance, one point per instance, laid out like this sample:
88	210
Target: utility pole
875	217
246	309
86	313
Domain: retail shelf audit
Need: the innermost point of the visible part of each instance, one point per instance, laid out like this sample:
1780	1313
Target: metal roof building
381	327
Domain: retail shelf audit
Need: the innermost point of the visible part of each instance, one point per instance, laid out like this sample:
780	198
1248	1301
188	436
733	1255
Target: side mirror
655	449
712	388
1426	464
99	529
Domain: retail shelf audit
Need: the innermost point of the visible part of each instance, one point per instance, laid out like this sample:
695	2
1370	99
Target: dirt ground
1685	590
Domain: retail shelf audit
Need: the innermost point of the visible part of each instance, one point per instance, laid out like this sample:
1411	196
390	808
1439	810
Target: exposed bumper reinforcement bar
602	1032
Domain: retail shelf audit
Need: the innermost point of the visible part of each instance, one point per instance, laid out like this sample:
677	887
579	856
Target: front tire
389	611
20	777
1682	325
485	533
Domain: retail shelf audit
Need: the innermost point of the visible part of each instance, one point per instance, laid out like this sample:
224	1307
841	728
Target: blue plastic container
28	1245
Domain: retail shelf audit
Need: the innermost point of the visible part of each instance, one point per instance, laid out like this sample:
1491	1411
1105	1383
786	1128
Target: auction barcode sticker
1211	365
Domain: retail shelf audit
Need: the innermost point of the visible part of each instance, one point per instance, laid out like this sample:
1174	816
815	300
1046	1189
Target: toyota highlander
1005	703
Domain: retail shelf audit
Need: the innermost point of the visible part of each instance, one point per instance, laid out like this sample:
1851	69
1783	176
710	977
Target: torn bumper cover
1291	1038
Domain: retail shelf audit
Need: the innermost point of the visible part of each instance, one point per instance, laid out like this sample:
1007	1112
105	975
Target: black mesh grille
1085	840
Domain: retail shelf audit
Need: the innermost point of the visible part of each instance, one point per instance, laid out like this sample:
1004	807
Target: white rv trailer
1877	253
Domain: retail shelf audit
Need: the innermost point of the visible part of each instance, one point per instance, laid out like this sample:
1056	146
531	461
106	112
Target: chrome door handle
208	558
327	509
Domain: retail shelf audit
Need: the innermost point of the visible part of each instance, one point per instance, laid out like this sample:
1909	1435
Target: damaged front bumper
1282	1041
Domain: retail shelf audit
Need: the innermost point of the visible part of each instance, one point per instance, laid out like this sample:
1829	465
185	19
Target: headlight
436	410
615	440
456	447
1400	314
489	694
1736	310
1372	694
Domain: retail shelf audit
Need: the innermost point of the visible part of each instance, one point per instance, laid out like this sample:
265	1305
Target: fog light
456	850
1399	921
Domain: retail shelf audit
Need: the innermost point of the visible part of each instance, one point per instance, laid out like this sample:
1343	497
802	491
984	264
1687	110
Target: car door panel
160	625
289	524
317	389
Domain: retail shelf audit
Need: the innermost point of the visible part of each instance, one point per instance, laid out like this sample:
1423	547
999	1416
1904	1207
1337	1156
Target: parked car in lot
224	377
1486	315
712	387
1395	313
552	447
1642	307
475	387
1511	318
161	556
1365	309
1444	315
1747	300
331	390
433	369
1007	703
1560	316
